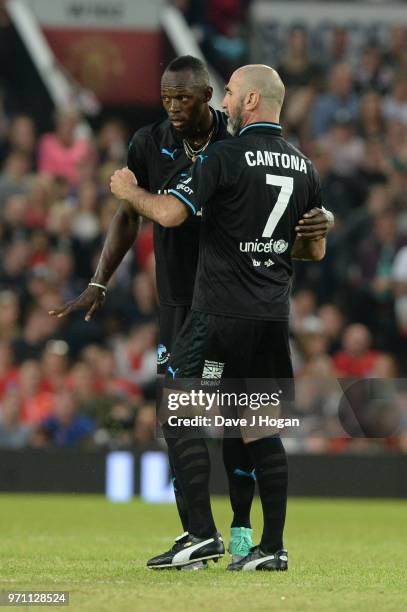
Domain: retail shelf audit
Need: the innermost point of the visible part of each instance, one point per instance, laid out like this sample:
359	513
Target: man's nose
174	105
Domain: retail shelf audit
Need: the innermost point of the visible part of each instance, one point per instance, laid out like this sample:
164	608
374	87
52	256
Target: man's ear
208	94
252	100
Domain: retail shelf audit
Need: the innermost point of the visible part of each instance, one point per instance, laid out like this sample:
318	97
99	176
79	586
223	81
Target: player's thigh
171	321
272	355
209	346
271	368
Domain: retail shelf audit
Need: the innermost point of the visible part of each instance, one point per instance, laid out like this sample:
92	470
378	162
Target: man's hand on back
315	224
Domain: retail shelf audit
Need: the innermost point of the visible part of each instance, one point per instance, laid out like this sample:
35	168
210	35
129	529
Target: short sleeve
137	157
196	189
316	190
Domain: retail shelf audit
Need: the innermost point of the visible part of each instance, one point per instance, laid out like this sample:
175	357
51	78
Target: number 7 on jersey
287	185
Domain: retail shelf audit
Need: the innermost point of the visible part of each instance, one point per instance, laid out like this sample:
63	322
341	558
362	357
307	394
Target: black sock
270	463
179	497
239	469
192	468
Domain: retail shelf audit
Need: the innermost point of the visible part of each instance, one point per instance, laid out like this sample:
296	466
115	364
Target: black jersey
252	191
157	158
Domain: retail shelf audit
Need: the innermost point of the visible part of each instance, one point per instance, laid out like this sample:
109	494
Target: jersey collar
275	127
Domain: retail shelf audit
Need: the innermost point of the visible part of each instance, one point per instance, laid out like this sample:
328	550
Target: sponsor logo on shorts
162	354
212	369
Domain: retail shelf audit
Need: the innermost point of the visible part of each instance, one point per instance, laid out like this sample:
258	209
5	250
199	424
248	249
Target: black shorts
219	347
171	320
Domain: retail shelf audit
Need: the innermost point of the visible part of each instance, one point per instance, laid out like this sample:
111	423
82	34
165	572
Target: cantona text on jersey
276	160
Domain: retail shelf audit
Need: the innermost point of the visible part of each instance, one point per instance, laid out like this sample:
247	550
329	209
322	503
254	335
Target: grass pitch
343	555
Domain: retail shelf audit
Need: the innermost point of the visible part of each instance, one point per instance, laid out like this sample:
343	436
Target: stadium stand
68	383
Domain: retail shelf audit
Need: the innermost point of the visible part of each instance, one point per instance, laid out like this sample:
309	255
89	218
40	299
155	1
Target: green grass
344	555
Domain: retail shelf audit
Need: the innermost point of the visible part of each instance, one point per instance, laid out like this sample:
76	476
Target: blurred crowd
221	27
65	382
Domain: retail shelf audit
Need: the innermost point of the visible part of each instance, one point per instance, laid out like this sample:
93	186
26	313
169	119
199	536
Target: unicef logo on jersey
280	246
162	354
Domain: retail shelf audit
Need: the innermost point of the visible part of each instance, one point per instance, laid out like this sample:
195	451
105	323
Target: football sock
179	496
270	462
192	468
240	472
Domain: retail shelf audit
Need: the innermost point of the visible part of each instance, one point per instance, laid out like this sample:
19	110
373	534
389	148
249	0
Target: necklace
191	153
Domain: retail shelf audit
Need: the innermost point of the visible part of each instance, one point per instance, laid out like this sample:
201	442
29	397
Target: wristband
104	289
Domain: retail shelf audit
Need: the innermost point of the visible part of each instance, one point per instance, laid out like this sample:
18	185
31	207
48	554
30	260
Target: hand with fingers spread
90	300
315	224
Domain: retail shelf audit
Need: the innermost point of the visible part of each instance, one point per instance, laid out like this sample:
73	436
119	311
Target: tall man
252	191
158	154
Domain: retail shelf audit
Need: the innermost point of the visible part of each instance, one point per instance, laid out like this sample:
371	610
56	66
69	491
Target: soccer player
252	191
158	154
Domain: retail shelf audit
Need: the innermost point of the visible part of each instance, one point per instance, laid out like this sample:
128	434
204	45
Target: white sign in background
98	14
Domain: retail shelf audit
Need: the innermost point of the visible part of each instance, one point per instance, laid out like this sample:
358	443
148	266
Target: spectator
38	329
399	288
9	315
297	69
119	426
112	142
333	322
395	105
111	383
371	119
339	97
13	267
8	371
61	153
22	137
376	254
37	401
66	428
86	226
54	364
14	178
357	359
136	357
371	74
145	425
13	433
339	50
346	148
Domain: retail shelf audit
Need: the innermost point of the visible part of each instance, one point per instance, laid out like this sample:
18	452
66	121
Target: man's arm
120	238
309	250
166	210
310	243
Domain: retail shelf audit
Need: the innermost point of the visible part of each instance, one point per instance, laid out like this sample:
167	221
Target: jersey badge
162	354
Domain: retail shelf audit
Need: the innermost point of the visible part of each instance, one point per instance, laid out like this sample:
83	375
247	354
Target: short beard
235	125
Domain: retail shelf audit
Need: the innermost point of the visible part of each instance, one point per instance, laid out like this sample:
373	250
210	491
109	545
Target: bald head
262	79
254	93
